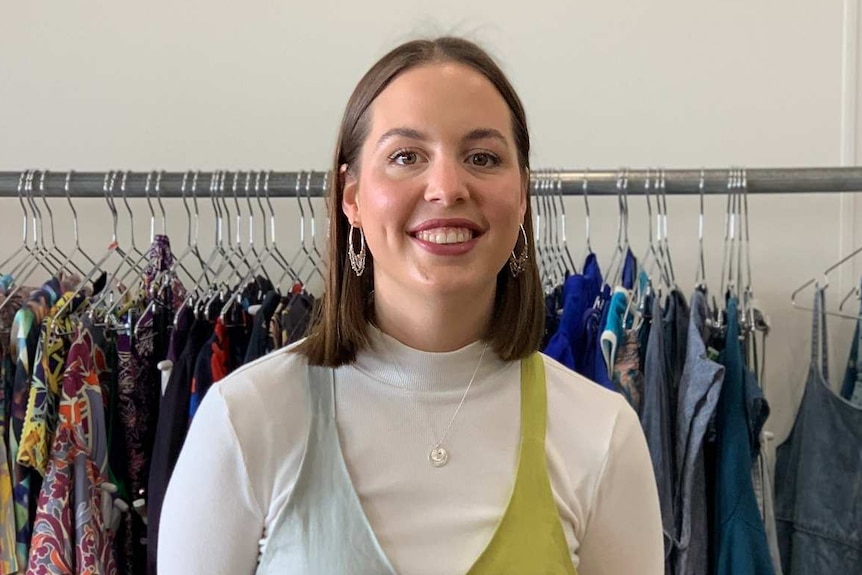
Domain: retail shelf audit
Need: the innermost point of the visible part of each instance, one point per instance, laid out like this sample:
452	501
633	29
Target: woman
416	430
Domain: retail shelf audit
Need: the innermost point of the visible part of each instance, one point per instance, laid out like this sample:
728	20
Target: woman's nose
446	182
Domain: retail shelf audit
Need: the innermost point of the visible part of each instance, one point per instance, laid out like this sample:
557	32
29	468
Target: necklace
439	455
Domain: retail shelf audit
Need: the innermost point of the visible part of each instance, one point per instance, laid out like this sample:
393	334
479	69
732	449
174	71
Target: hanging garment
69	535
171	432
25	331
818	509
656	419
763	488
40	423
628	377
528	539
740	538
615	331
296	317
8	557
699	390
675	323
851	389
258	344
568	345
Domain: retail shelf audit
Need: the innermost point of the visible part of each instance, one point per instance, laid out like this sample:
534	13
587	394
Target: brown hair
339	330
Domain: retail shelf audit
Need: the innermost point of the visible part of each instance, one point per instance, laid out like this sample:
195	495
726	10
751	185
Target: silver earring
357	260
517	263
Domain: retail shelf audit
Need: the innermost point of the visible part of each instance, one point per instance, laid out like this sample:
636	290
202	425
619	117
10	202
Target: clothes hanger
23	246
568	263
651	259
49	258
538	226
134	251
66	261
39	255
24	249
29	257
700	273
551	235
665	244
303	249
824	285
117	291
561	267
78	249
113	248
275	252
317	259
544	247
615	267
584	189
239	251
193	230
728	287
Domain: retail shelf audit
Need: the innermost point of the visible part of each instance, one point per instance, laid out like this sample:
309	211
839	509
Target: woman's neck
435	324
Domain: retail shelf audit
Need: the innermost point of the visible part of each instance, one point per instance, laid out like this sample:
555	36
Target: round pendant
438	456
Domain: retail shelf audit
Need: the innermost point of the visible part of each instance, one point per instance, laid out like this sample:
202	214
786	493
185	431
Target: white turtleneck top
243	452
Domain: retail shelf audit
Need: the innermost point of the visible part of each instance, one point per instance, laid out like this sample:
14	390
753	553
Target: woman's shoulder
266	398
583	416
277	373
579	392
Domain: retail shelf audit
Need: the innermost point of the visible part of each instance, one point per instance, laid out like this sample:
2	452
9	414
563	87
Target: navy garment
567	345
296	317
630	271
171	432
740	545
851	389
258	344
818	474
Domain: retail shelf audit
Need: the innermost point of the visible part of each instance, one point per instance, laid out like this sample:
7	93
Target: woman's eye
484	160
404	158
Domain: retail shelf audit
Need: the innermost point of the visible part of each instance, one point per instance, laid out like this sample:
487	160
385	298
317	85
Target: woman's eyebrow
402	132
485	133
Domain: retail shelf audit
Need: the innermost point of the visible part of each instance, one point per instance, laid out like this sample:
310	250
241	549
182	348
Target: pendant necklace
439	455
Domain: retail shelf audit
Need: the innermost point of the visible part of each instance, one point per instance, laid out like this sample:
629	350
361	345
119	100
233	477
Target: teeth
446	235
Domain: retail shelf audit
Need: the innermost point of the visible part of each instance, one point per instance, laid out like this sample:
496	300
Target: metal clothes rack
571	182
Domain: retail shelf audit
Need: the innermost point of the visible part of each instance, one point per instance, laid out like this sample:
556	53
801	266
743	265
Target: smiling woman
417	429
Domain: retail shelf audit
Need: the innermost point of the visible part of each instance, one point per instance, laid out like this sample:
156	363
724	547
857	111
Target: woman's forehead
440	100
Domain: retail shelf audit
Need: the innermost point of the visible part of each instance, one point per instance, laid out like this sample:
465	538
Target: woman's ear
525	186
349	197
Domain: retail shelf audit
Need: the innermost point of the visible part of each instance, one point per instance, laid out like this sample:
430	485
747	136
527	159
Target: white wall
168	85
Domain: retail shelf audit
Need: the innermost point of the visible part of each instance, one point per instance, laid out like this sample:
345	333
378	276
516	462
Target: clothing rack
311	184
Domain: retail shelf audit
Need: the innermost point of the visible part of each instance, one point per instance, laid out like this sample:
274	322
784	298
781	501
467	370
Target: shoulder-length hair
340	329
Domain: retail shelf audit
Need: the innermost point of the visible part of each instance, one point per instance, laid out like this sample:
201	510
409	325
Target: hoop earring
357	260
518	263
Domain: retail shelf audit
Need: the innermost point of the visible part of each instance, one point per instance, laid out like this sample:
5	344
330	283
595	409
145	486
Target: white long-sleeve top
243	453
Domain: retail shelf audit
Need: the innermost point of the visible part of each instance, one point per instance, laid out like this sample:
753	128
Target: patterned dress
69	534
25	334
45	385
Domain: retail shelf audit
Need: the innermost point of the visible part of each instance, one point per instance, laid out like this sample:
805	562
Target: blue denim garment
656	422
818	475
740	546
699	390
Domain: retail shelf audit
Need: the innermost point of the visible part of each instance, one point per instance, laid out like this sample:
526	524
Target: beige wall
176	85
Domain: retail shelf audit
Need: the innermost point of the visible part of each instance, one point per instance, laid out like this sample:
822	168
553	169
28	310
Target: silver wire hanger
700	273
584	189
317	257
569	263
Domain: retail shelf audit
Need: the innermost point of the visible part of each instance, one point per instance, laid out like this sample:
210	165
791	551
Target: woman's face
439	193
